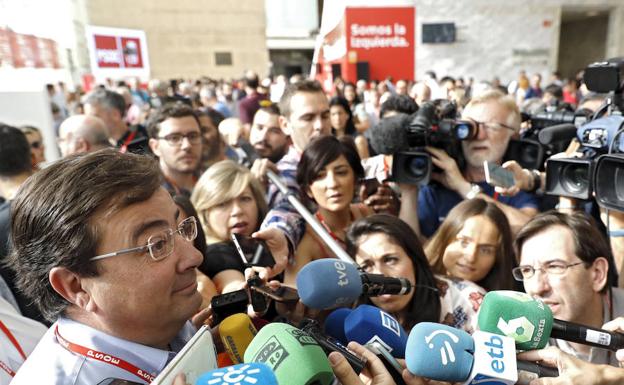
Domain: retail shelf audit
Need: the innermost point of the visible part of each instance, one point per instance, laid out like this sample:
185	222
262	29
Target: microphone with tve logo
530	323
342	284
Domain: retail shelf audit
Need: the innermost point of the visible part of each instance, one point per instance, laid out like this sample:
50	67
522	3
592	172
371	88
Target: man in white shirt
100	248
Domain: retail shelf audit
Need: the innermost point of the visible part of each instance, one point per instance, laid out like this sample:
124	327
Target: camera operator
497	119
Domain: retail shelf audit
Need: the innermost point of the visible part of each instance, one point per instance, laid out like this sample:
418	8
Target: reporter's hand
522	177
180	379
616	325
450	177
384	200
572	371
278	245
259	170
203	317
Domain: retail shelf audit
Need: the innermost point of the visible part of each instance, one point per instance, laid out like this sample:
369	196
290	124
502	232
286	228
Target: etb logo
390	323
447	354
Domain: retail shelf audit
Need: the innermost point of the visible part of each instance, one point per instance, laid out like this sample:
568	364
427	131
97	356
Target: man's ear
154	145
69	286
283	123
599	273
82	145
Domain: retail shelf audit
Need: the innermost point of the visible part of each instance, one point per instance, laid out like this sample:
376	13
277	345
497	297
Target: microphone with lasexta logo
342	284
530	323
443	353
252	373
293	355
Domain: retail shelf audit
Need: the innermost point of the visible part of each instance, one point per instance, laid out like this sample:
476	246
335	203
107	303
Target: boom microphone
389	135
293	355
443	353
557	133
343	283
253	373
370	325
237	331
530	323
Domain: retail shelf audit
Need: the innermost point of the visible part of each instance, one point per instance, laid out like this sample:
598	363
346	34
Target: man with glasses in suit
99	247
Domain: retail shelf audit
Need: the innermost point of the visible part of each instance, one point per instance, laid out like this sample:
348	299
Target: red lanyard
4	366
103	357
331	233
124	146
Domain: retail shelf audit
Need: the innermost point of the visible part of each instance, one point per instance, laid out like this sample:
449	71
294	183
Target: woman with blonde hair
229	200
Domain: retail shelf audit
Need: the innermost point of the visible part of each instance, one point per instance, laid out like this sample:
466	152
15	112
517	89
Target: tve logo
494	360
446	351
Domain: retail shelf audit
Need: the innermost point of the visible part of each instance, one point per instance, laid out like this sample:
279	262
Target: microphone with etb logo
443	353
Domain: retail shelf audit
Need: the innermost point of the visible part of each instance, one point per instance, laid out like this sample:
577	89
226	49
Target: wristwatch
475	190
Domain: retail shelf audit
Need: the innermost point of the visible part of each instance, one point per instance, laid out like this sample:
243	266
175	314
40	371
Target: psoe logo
390	323
520	329
446	351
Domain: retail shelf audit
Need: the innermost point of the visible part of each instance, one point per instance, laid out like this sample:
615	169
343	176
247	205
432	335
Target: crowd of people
92	262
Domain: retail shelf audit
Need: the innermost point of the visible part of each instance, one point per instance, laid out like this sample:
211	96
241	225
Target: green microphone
516	315
293	355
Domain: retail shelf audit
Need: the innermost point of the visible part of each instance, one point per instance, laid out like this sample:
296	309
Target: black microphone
557	133
378	284
585	335
389	135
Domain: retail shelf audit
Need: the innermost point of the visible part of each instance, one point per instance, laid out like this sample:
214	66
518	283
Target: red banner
20	50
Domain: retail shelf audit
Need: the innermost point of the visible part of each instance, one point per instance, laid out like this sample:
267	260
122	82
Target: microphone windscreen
548	135
335	324
368	324
516	315
252	373
293	355
389	135
327	283
439	352
236	332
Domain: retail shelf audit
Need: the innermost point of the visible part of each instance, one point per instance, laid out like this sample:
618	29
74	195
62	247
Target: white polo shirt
53	363
24	331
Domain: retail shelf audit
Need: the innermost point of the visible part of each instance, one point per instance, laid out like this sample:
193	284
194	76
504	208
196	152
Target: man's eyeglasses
521	273
492	127
160	245
176	139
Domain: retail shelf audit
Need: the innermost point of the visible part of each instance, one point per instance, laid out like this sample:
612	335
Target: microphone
343	284
530	323
330	344
557	133
252	373
237	331
443	353
293	355
389	135
334	324
370	325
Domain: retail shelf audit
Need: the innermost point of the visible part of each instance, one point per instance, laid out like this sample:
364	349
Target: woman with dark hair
475	243
327	173
350	93
341	117
383	244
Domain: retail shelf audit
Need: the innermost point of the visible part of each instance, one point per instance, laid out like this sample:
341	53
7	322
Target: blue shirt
435	201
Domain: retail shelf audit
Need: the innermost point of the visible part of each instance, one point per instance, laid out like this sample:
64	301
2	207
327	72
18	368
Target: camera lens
464	130
575	178
417	166
619	184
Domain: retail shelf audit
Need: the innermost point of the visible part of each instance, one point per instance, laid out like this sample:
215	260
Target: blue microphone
342	284
334	324
439	352
370	325
252	373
